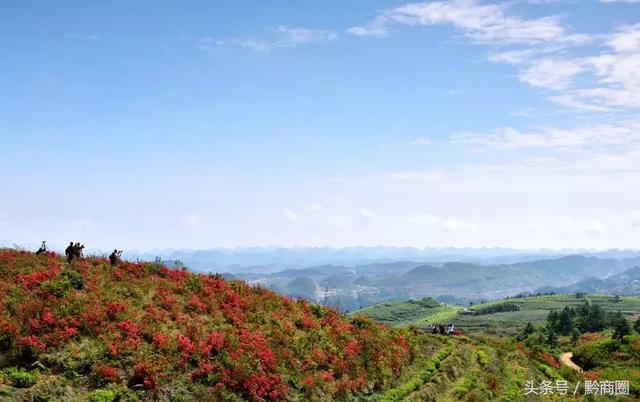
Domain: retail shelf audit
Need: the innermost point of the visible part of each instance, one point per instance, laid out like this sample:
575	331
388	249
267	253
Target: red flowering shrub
149	326
161	340
113	309
107	372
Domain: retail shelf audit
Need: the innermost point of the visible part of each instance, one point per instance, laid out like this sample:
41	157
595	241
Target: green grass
441	315
19	377
402	313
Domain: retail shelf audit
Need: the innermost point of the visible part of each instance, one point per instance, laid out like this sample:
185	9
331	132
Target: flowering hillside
140	331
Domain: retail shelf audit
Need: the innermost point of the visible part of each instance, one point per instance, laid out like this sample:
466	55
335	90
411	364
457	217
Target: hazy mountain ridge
273	259
364	285
625	283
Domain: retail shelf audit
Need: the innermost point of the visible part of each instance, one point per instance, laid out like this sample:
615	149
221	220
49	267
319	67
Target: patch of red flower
107	372
157	325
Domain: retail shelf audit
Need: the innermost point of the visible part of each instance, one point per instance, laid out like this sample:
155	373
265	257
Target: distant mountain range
355	277
273	259
625	283
353	287
266	259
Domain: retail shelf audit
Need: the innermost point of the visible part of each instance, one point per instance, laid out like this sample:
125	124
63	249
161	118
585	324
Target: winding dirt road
565	358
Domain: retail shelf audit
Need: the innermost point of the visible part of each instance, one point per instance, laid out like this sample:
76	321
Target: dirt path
565	358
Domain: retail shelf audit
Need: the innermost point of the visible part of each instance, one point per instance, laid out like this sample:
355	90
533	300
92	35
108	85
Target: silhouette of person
114	258
77	250
42	249
70	252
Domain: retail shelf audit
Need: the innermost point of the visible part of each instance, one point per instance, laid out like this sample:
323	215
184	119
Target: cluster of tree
586	318
495	308
531	294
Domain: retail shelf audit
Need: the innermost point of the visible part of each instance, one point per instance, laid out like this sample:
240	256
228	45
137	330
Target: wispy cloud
82	36
624	134
541	48
421	141
482	23
551	73
291	216
523	112
276	38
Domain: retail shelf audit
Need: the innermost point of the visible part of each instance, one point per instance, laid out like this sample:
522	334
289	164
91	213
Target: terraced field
471	369
403	313
440	315
482	366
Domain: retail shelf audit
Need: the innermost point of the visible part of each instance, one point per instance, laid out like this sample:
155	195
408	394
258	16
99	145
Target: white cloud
365	214
596	227
540	47
482	23
622	134
627	39
190	220
291	216
569	100
551	73
303	36
511	56
279	37
421	141
613	83
373	29
619	1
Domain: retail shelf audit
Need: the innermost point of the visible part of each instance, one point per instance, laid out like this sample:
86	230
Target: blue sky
201	124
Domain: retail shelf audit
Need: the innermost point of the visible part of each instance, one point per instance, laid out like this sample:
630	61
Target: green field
420	313
535	309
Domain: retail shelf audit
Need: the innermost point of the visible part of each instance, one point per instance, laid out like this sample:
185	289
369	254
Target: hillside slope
85	331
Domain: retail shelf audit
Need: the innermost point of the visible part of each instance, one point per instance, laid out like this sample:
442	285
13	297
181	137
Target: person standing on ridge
114	258
77	250
42	249
70	252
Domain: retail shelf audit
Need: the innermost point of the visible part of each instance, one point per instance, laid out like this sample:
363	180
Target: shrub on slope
160	332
